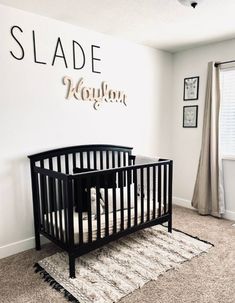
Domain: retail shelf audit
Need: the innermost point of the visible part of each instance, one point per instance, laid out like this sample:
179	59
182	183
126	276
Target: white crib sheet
102	221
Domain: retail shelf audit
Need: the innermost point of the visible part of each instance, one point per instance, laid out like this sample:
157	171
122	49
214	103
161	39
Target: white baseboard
182	202
229	215
17	247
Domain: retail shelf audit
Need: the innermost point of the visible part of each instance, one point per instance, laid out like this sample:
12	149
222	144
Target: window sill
228	157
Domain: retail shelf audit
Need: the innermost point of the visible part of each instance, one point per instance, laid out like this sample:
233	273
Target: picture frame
190	116
191	88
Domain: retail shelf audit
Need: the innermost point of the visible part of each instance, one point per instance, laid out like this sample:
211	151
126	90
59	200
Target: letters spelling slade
57	54
80	92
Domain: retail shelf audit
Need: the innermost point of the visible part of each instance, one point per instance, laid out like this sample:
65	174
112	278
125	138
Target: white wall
35	115
187	142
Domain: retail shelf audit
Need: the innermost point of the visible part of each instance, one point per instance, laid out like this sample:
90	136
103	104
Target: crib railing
51	203
85	156
64	160
140	195
147	193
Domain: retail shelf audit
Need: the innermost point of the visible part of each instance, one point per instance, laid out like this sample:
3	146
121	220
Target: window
227	112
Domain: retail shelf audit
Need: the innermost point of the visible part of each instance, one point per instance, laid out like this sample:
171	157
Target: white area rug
117	269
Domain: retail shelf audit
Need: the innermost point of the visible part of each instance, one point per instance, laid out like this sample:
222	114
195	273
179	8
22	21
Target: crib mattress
102	221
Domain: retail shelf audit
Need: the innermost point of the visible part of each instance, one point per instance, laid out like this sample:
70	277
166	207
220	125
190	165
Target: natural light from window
227	112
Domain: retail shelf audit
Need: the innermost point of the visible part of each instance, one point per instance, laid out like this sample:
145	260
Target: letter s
22	50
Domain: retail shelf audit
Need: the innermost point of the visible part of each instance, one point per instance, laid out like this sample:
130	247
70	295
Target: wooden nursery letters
96	95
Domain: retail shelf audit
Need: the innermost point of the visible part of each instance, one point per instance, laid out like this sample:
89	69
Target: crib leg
170	225
72	267
37	241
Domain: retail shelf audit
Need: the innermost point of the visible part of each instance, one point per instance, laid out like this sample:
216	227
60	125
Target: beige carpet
208	278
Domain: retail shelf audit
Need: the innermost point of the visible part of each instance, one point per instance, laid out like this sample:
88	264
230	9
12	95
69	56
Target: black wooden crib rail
65	160
64	180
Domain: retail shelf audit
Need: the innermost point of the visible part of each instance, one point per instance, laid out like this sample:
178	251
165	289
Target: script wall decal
96	95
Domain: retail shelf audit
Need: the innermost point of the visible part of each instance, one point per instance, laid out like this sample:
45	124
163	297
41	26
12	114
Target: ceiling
162	24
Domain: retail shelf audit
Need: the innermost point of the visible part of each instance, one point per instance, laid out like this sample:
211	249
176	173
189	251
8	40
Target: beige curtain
208	196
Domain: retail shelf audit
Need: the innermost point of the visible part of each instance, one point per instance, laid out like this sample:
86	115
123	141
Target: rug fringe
195	237
53	283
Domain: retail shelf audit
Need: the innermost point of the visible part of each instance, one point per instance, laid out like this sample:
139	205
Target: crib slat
51	191
66	164
60	208
119	159
142	193
74	160
47	204
148	194
129	198
159	191
124	158
50	198
42	194
123	165
165	188
95	160
55	208
169	188
65	206
88	187
80	220
154	192
66	201
51	168
121	199
64	189
81	160
88	160
58	163
114	209
113	158
70	212
136	195
39	199
106	210
60	197
98	212
129	159
107	158
170	195
101	160
50	209
119	175
39	203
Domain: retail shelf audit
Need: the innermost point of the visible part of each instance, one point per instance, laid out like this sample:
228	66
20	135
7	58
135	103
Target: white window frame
224	68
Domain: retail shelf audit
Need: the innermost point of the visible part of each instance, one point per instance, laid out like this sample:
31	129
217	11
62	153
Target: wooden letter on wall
96	95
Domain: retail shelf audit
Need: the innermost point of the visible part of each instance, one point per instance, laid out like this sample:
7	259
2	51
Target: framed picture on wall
191	88
190	114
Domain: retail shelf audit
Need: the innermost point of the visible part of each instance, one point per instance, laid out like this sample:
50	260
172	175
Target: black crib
86	196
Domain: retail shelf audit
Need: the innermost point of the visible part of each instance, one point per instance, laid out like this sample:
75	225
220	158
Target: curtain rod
225	62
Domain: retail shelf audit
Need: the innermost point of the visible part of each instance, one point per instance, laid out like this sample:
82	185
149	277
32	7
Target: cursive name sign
95	95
